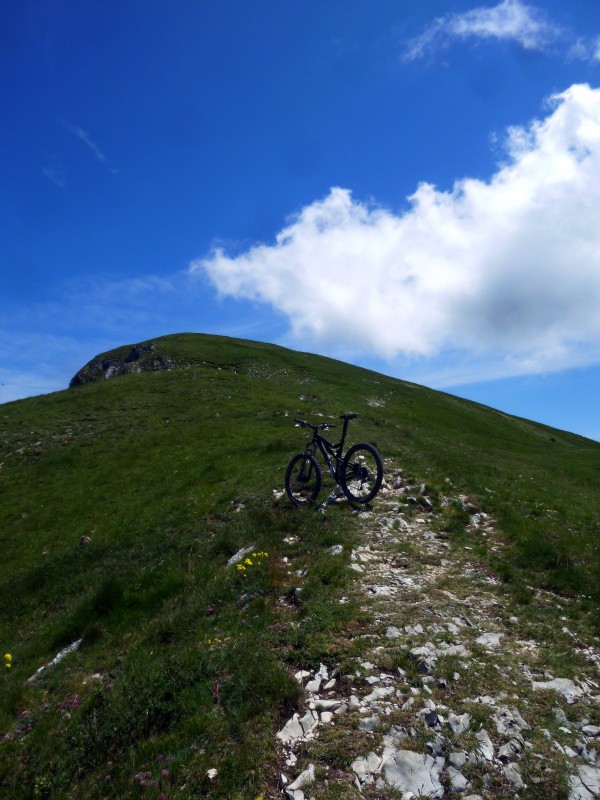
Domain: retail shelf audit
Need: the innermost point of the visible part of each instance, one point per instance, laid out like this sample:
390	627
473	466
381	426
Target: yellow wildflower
248	561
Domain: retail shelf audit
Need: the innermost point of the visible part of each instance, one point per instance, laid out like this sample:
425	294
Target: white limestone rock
509	750
459	722
591	730
369	723
312	687
291	730
414	772
489	640
309	721
512	773
392	741
569	690
328	705
245	551
458	759
509	721
304	779
585	785
457	779
485	747
379	693
452	650
364	768
413	630
56	660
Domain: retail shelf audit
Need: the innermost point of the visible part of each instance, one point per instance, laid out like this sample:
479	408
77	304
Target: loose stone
513	774
509	721
569	690
457	759
312	687
413	772
291	730
369	723
585	784
486	748
458	780
304	779
459	722
308	721
509	750
240	555
591	730
489	640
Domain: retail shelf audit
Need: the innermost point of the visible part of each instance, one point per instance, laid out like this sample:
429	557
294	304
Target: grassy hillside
121	502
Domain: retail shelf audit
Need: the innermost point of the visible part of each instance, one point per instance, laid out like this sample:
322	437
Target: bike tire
303	480
361	473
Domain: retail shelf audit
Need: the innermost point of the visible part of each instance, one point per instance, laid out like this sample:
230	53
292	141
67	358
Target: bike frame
332	453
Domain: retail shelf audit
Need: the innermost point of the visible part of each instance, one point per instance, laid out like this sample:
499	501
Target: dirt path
456	687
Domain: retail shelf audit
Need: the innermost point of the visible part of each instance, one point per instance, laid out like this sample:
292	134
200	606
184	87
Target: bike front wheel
303	479
361	473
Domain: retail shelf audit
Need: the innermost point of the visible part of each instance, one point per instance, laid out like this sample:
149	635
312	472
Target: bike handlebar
323	426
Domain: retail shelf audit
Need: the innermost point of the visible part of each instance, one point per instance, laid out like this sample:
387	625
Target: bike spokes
362	473
303	479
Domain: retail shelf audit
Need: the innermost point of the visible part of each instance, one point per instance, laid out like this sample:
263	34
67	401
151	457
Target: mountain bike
359	473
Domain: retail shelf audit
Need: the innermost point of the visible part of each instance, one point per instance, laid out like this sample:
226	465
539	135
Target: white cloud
502	274
584	49
55	176
510	20
85	138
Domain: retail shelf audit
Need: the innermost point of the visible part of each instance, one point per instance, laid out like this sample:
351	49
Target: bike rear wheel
361	473
303	479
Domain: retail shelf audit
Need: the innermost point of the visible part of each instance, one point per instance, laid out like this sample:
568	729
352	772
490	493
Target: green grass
120	504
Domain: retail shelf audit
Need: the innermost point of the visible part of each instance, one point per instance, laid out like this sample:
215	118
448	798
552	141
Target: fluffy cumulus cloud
510	20
505	270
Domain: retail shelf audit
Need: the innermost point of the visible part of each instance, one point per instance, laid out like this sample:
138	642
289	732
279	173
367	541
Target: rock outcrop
122	361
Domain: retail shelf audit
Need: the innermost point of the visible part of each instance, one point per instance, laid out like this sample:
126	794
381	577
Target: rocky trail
455	686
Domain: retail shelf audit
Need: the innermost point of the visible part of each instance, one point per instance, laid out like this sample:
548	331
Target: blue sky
410	186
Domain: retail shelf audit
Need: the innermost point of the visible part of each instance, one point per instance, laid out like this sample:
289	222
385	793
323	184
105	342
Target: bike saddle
348	416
